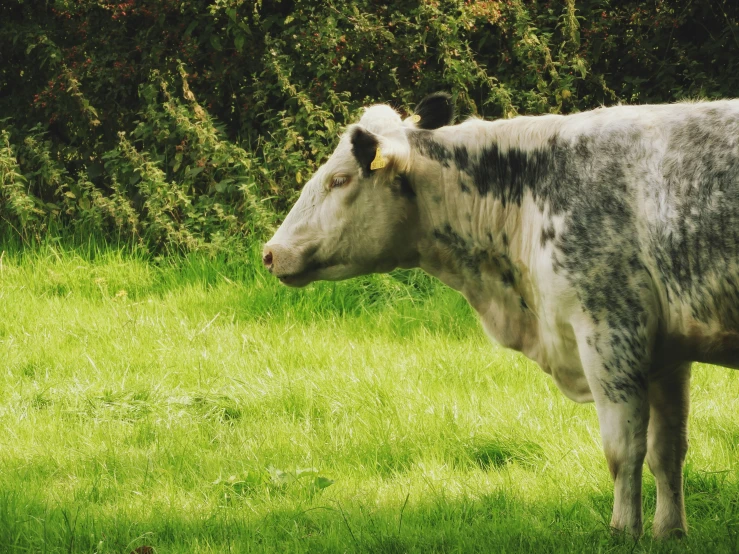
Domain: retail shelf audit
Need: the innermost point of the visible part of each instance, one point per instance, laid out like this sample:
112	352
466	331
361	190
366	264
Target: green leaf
191	27
322	482
239	42
94	170
177	161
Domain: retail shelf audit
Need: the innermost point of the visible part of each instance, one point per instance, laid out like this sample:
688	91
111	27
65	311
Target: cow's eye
339	181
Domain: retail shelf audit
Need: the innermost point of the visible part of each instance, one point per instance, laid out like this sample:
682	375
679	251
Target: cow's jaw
317	272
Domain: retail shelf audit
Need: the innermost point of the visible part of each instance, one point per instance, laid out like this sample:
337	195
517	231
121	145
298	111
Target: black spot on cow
471	256
508	278
461	158
624	385
463	250
547	234
507	174
404	187
504	174
424	143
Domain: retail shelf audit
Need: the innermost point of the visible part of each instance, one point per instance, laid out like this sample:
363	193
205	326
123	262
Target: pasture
196	405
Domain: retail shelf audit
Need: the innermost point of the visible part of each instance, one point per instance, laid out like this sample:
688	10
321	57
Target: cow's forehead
340	161
342	158
379	119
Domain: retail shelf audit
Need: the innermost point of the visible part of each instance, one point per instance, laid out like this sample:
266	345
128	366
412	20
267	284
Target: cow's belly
700	343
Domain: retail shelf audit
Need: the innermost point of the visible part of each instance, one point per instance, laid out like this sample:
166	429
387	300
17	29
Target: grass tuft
490	452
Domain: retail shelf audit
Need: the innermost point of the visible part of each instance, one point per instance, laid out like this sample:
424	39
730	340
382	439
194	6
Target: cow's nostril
267	259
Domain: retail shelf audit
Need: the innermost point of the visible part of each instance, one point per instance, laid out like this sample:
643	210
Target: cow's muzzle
291	266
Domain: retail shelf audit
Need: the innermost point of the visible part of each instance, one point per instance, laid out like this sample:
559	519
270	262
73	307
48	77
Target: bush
184	124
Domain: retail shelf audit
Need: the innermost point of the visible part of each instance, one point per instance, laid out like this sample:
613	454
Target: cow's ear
434	111
366	149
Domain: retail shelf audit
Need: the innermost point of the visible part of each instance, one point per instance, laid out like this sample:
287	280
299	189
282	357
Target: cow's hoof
663	532
633	532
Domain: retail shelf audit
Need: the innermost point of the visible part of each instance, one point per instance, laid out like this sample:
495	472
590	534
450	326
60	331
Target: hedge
187	124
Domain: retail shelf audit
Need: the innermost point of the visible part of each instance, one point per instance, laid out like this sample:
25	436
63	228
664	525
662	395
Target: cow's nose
267	259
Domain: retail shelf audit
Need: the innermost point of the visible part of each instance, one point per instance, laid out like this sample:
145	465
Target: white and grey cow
603	245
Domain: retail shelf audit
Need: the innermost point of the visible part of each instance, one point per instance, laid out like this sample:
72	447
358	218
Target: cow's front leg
667	446
617	380
623	428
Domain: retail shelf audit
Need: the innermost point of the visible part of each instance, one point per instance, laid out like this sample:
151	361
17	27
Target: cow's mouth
296	279
304	277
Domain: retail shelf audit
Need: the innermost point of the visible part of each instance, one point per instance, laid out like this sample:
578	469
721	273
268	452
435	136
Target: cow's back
654	201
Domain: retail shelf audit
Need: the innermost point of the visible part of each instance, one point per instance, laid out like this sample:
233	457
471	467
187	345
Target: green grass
197	406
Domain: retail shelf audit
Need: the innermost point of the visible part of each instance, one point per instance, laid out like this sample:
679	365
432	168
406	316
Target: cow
603	245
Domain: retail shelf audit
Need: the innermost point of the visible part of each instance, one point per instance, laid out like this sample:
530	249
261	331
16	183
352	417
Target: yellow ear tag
379	162
415	118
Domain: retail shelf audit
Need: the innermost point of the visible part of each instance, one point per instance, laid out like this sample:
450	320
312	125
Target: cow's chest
524	316
540	332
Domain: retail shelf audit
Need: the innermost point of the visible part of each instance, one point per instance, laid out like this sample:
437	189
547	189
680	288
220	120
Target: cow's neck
482	247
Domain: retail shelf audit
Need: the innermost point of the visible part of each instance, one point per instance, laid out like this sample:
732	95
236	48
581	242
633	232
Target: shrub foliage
185	124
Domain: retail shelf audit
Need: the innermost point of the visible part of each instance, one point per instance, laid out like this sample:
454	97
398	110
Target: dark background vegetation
186	125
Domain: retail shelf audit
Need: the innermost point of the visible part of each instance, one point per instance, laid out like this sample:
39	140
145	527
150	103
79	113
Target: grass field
197	406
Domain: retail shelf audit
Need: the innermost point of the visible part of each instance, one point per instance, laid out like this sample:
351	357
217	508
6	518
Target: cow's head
357	214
